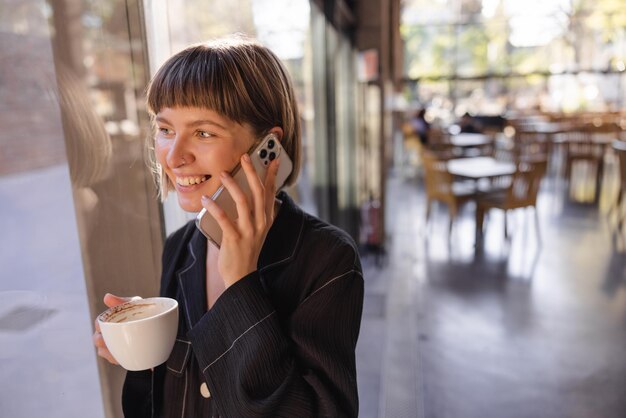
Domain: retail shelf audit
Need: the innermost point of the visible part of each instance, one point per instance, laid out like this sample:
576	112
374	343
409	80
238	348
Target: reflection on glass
44	313
79	214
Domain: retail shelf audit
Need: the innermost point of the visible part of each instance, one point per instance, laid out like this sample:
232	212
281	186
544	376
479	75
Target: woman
269	321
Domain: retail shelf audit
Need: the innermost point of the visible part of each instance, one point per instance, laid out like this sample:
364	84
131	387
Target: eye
204	134
165	132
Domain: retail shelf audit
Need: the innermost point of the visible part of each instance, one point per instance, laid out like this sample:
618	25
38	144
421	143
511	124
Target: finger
227	226
270	188
103	351
106	354
98	340
111	300
258	192
244	216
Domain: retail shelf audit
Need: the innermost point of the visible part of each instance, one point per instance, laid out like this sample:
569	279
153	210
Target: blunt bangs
212	77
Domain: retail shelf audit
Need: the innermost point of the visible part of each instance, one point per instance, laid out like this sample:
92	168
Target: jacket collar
194	265
283	238
280	246
282	243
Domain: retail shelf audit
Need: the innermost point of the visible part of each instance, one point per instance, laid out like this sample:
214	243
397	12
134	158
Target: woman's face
194	145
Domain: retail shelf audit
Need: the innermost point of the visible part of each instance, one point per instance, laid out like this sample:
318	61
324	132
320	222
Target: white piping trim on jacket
182	414
293	251
327	283
237	339
180	282
186	356
152	393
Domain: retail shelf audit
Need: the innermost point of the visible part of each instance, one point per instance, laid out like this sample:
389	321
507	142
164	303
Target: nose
180	152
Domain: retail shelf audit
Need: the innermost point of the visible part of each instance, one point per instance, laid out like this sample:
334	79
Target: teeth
188	181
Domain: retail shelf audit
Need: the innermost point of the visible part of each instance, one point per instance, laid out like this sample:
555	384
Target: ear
278	131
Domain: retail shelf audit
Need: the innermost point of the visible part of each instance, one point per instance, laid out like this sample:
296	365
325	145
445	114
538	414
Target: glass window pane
428	12
79	212
429	50
45	323
496	39
472	50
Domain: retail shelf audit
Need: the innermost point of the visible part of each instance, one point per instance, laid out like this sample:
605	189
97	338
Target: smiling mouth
192	180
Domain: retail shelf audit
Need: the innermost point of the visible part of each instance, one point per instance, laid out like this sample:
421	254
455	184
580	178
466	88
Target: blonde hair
237	78
87	143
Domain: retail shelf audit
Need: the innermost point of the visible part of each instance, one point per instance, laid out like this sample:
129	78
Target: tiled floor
519	329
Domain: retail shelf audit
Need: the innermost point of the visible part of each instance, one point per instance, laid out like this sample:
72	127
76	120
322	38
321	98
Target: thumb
111	300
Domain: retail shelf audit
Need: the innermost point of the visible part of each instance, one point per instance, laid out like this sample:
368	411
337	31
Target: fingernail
246	158
224	175
278	162
205	198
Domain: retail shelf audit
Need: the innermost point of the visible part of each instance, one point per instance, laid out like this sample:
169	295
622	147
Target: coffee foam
132	312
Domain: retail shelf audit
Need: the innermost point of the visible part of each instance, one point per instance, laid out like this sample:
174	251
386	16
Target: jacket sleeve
258	362
137	394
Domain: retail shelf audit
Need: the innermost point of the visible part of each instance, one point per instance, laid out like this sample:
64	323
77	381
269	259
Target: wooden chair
441	187
439	144
531	145
582	150
620	149
521	193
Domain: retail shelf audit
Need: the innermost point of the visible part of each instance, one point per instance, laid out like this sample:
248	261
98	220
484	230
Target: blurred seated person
468	125
420	126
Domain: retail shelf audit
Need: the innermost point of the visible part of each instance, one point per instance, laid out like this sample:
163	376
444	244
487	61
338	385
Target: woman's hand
110	301
243	238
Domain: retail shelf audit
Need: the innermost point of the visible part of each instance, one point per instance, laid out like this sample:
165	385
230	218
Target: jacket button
204	391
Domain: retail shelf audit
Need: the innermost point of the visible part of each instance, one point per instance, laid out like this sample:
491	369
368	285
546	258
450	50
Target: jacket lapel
284	236
191	279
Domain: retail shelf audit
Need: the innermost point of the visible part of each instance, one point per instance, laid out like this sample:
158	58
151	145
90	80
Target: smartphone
261	155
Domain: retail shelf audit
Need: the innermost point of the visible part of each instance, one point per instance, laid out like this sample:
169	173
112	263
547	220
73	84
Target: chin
189	204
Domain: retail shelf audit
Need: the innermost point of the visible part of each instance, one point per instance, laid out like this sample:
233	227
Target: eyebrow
194	123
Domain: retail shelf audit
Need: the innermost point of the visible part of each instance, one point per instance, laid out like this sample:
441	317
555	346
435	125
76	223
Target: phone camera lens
263	153
272	155
270	144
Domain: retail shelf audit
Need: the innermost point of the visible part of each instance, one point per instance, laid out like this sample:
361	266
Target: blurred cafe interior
474	149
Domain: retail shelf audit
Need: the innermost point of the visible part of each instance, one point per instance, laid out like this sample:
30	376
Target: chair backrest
580	143
436	177
437	137
531	144
525	184
621	155
439	143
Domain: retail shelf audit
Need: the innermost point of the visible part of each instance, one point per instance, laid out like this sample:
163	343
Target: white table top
479	167
469	140
619	145
545	128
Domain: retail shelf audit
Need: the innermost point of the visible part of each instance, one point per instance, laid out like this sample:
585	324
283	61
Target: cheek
240	149
160	151
227	158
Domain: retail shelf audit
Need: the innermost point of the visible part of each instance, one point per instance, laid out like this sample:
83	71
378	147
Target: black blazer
278	343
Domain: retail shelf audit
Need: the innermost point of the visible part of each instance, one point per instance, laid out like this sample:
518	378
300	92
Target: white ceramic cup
140	334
